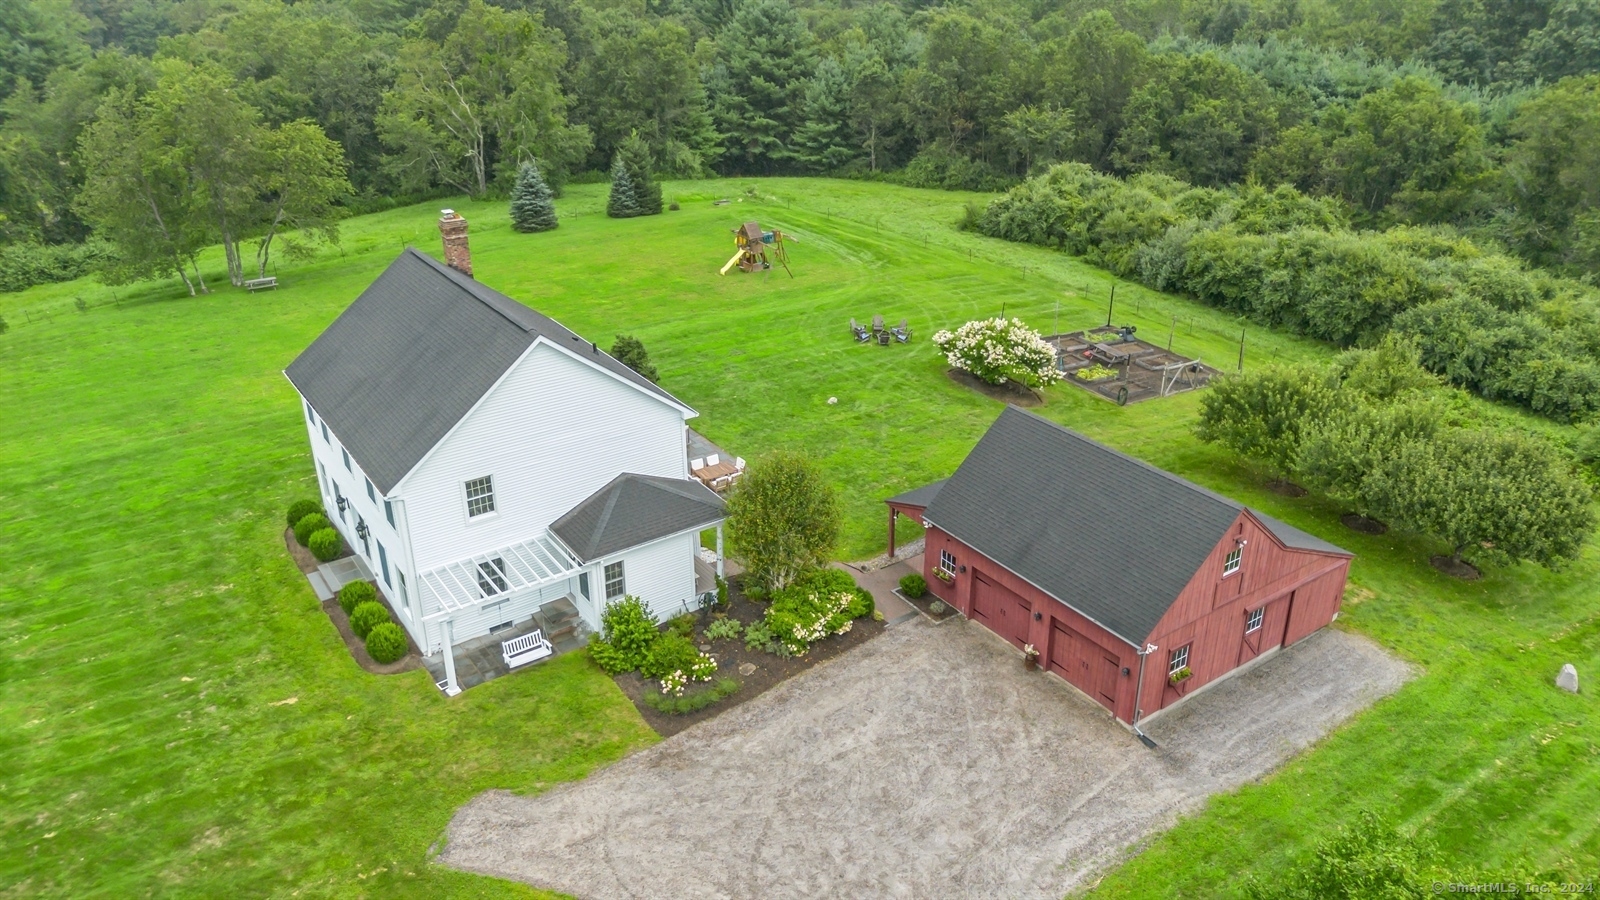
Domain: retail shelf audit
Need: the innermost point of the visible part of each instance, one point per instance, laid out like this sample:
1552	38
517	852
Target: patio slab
481	659
924	763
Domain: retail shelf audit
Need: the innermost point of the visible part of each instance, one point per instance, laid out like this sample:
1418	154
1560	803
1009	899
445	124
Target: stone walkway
925	763
881	583
330	577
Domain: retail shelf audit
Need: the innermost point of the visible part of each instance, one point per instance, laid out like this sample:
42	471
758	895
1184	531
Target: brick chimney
454	230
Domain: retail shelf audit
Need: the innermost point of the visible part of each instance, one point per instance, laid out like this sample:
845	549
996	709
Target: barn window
492	577
480	496
1253	621
616	585
947	562
1179	660
1231	564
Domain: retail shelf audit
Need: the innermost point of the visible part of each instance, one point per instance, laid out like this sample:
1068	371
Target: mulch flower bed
1358	522
1285	488
1455	568
924	604
733	660
307	564
1010	392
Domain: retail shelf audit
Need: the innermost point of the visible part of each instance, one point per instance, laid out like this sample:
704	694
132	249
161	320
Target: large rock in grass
1568	679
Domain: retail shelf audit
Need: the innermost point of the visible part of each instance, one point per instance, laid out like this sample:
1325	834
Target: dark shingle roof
1113	537
636	509
1294	538
921	496
400	367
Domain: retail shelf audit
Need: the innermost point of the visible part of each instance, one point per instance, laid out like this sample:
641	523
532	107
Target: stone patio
480	659
330	577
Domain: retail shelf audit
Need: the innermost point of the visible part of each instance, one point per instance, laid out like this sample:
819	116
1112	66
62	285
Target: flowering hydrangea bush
820	604
704	668
1000	350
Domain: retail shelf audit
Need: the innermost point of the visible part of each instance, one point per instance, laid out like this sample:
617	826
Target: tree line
1480	114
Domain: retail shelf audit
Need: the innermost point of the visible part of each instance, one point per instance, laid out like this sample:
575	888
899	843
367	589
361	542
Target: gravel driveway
925	763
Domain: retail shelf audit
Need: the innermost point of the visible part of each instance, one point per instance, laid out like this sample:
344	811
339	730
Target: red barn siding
1298	592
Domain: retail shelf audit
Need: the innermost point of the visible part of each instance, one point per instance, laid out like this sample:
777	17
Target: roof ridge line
605	514
479	291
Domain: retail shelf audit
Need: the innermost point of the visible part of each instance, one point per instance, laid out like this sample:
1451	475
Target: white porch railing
496	575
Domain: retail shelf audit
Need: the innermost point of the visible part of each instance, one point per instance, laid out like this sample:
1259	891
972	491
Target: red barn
1114	570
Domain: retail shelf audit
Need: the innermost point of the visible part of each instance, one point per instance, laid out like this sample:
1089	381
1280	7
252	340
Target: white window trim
1254	619
1179	660
1233	562
950	569
622	581
466	501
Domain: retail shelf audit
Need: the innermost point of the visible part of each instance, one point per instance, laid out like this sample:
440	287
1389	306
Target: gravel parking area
925	763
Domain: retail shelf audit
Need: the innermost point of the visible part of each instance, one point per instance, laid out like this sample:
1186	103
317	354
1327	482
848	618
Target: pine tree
630	351
636	158
623	203
531	206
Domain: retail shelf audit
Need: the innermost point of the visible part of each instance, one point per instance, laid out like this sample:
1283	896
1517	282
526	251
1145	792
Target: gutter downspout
1138	696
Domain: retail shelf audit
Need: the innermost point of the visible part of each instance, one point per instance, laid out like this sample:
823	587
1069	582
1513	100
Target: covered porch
480	659
912	504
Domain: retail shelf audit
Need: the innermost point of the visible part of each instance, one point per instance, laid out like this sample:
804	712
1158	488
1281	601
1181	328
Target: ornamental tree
1264	415
783	519
1000	350
532	208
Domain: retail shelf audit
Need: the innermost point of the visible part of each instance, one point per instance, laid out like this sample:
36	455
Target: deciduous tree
1264	415
783	519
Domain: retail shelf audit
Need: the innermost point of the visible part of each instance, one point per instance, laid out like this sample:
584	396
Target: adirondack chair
901	332
877	325
531	647
861	333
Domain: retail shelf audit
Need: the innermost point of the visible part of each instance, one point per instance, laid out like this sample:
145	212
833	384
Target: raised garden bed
924	605
733	661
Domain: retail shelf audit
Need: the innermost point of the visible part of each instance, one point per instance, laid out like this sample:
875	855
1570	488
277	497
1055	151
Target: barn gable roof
1109	535
415	353
636	509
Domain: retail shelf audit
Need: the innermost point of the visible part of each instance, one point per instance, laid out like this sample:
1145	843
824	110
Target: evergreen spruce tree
636	158
630	351
623	203
531	206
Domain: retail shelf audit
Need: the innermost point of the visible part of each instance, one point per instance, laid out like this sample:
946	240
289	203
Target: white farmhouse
484	460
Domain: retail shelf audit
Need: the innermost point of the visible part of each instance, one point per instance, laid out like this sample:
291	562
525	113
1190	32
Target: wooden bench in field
531	647
261	284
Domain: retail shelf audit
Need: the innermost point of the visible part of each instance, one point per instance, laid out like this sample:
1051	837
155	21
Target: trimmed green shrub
682	625
628	631
300	509
326	544
913	586
308	525
356	593
672	652
724	629
366	617
386	642
689	703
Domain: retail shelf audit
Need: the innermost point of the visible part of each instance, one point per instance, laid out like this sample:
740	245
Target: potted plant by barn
1030	657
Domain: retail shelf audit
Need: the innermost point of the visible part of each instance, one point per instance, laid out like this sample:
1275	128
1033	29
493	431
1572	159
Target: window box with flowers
944	576
1180	676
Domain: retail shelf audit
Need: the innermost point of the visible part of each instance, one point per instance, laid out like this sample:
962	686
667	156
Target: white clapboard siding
553	431
661	574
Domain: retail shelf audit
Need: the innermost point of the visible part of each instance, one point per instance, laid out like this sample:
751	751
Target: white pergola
490	578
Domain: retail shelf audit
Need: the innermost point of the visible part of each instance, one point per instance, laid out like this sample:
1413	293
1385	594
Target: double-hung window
1178	661
388	512
1252	622
371	494
947	562
480	496
383	563
346	454
325	438
616	585
1231	564
310	415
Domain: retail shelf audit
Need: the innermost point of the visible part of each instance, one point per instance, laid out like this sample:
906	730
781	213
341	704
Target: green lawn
150	620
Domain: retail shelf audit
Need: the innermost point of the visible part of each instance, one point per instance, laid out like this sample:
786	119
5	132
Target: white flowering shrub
1000	350
817	605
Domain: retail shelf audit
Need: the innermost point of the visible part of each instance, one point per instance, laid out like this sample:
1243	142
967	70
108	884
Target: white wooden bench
531	647
261	284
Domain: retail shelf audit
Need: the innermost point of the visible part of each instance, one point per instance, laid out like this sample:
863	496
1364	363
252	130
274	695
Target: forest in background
133	132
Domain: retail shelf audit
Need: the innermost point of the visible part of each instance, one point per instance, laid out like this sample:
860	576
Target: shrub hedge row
24	265
1291	261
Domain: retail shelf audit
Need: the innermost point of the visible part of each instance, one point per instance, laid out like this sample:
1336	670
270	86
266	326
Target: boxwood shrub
325	544
366	617
354	594
308	525
386	642
913	586
300	509
671	652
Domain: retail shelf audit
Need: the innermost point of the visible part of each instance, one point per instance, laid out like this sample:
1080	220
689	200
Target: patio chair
877	325
738	463
884	337
861	333
902	332
697	464
714	459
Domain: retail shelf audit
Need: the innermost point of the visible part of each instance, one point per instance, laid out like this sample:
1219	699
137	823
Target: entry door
1107	682
1263	628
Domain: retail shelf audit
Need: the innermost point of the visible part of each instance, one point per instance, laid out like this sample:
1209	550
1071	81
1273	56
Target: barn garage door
1000	610
1083	663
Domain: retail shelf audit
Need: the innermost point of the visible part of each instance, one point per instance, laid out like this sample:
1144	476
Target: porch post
451	688
892	514
719	550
